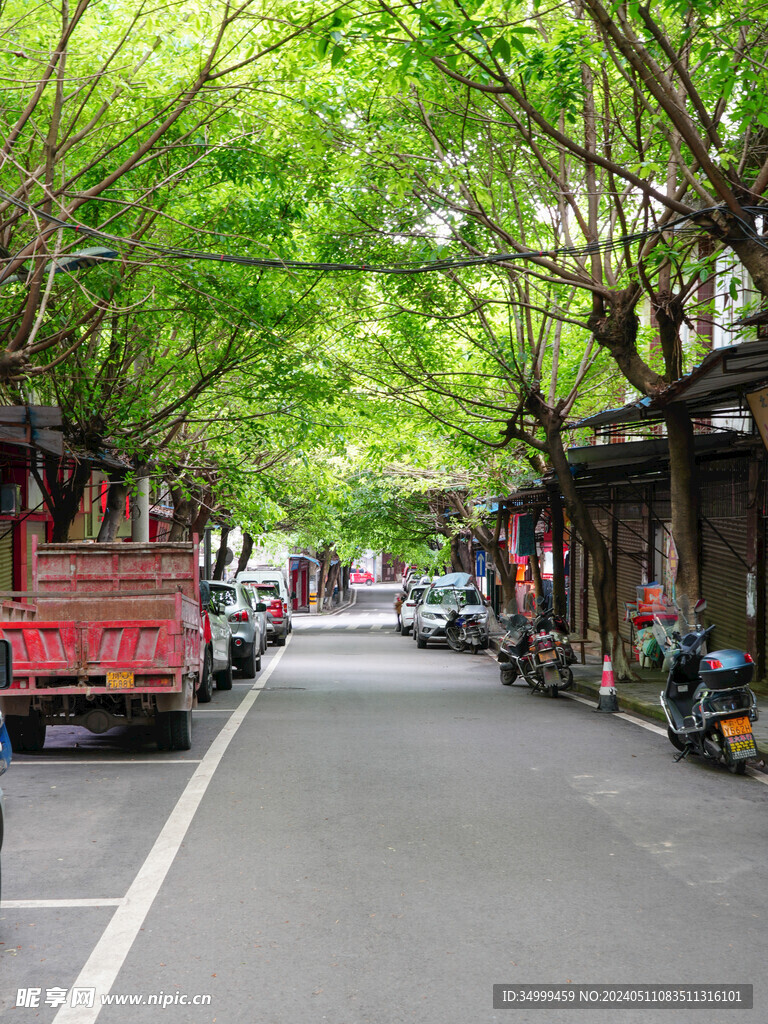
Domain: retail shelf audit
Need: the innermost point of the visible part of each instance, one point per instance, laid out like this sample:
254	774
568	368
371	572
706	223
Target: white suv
279	603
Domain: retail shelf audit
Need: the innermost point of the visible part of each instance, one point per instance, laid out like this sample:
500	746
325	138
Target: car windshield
417	593
226	595
453	596
266	589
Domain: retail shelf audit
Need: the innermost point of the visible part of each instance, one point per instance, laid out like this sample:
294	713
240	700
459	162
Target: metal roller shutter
630	561
723	579
6	555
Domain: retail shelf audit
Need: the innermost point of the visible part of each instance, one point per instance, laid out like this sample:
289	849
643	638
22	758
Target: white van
272	585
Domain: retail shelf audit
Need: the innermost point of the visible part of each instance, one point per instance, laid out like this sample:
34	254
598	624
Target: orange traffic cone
608	701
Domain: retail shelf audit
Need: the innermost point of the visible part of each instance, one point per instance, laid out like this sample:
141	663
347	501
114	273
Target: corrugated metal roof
723	375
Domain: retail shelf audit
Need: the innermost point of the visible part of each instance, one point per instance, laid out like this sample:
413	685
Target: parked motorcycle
708	702
466	631
538	651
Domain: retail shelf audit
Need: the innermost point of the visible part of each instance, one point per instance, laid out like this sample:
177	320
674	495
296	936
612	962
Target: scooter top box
722	670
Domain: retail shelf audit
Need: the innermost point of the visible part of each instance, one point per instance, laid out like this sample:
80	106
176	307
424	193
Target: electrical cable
406	267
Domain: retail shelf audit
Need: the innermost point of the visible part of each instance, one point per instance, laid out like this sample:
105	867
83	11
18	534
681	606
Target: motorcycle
538	651
707	700
466	631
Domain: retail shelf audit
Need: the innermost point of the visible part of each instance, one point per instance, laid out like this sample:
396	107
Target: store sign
758	403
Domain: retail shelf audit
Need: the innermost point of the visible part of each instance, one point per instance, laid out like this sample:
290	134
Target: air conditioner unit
10	499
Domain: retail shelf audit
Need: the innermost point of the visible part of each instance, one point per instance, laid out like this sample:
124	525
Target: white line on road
110	952
118	901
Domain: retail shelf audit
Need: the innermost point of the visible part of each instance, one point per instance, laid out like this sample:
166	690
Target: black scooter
708	701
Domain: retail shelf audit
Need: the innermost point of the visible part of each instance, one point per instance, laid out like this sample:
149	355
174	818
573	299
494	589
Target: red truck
109	635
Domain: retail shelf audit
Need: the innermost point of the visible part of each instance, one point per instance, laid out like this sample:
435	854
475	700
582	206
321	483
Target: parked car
360	576
449	593
272	585
217	663
247	618
408	609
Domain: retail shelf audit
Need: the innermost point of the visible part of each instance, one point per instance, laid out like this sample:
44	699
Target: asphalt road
373	834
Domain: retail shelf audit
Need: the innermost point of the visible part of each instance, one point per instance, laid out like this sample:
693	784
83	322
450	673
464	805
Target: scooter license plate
119	680
735	726
547	655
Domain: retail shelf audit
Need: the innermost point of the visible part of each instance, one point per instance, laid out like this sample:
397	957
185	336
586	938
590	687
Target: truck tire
181	729
163	730
205	689
26	732
224	678
35	731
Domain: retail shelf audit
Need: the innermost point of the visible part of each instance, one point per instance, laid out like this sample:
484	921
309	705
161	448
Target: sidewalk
642	698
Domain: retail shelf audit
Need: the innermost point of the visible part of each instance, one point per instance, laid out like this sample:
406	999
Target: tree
103	136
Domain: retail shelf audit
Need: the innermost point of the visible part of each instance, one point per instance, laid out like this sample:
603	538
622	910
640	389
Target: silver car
247	624
455	594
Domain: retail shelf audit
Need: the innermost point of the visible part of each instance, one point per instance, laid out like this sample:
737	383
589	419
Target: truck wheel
34	731
26	732
224	678
181	730
205	689
163	730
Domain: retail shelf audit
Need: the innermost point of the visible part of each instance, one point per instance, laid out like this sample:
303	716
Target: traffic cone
608	701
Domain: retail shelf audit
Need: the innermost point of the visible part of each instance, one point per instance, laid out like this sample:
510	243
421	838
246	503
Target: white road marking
118	901
109	954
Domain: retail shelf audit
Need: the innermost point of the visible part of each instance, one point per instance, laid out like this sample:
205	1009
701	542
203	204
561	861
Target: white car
446	594
271	587
408	607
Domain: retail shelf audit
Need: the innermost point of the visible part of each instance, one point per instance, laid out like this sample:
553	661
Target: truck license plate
119	680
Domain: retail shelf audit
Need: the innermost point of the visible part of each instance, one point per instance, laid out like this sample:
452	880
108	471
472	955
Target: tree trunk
245	554
63	497
603	581
684	506
533	561
221	555
114	512
183	511
332	582
325	557
559	596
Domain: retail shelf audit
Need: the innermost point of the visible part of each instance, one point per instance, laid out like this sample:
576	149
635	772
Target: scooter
708	701
465	631
538	651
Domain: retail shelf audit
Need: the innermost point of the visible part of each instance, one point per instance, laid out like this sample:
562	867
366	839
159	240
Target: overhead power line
422	266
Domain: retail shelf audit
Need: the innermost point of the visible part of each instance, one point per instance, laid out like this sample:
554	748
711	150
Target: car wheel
407	630
369	583
224	678
279	641
247	665
421	643
181	730
205	689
